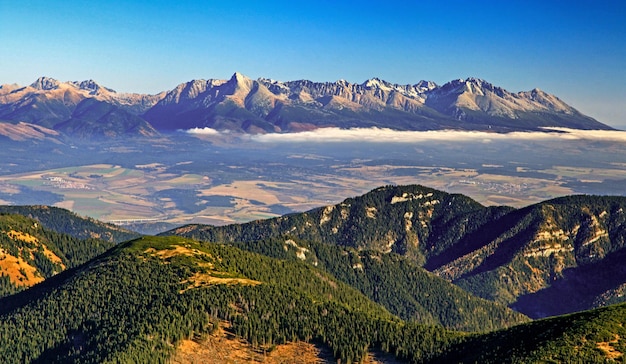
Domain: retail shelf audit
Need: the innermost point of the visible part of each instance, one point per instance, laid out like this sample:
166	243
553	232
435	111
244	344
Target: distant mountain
93	118
48	102
241	104
271	106
529	258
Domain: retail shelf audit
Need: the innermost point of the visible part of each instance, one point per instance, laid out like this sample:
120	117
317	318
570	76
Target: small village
61	183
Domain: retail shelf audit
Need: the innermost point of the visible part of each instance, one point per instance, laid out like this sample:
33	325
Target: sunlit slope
30	253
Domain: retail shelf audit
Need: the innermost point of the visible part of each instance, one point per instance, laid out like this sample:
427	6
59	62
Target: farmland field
182	179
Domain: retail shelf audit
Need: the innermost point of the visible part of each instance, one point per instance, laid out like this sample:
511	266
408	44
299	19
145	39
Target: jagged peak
189	89
240	82
268	80
240	77
91	86
476	80
427	85
45	83
472	85
377	83
463	81
192	83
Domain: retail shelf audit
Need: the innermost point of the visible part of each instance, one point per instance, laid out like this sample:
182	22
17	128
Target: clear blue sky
574	49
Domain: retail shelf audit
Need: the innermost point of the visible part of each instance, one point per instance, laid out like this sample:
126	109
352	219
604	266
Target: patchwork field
199	182
115	193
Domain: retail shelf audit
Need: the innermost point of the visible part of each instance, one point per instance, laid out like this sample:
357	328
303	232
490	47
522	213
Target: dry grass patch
18	270
224	347
208	279
25	237
609	351
199	279
22	264
53	257
178	250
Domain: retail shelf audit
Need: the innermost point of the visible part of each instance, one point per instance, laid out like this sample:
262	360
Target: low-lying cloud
384	135
203	131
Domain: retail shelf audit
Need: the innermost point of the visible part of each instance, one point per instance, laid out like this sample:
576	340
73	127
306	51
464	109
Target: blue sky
573	49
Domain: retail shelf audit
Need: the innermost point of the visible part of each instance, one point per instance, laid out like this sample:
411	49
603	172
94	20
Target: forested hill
397	283
30	253
66	222
109	311
416	221
555	257
527	258
596	336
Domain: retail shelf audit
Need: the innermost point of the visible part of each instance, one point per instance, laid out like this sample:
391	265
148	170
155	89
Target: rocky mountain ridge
241	104
76	109
526	258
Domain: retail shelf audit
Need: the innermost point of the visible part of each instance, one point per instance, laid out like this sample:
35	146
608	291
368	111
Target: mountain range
240	104
395	272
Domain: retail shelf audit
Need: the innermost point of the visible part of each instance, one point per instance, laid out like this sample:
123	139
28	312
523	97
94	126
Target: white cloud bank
383	135
203	131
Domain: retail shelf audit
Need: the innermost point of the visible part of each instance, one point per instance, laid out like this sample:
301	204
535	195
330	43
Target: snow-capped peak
45	83
376	83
